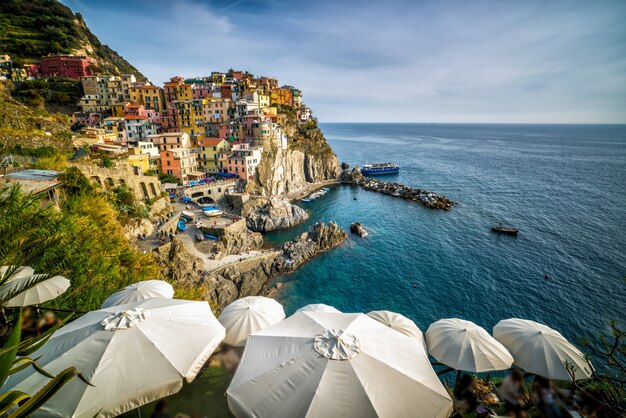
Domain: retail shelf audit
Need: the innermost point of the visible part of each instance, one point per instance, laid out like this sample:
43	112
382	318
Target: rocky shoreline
429	199
247	276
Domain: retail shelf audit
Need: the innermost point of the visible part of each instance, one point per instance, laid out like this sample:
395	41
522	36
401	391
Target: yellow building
138	160
264	100
208	157
151	97
281	97
184	92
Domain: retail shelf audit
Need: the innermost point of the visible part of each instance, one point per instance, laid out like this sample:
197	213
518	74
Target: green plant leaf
7	359
10	399
45	393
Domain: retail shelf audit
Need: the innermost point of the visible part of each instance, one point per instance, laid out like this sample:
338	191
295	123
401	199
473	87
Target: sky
500	61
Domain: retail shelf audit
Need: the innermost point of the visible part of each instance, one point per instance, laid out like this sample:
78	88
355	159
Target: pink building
66	66
137	110
242	160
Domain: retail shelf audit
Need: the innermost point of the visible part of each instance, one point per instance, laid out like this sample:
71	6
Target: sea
563	186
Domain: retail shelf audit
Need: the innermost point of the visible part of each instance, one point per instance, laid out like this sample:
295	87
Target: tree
75	182
606	391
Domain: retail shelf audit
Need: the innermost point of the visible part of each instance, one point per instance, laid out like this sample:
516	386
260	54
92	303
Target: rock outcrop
177	263
235	239
136	227
357	228
245	277
351	176
317	239
161	207
268	214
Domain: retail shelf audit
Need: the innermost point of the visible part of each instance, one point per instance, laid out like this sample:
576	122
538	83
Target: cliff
307	159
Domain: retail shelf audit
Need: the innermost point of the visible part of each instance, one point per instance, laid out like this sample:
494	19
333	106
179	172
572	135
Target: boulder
357	228
268	214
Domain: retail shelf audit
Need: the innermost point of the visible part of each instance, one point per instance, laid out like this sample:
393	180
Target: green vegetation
83	241
168	178
606	392
30	29
10	363
31	128
56	93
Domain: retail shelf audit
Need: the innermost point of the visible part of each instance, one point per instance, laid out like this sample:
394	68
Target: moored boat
211	211
182	225
504	229
379	169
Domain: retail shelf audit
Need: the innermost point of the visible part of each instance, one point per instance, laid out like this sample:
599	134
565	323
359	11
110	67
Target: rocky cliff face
307	159
269	214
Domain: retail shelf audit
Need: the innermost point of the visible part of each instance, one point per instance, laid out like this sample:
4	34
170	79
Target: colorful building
66	66
170	140
209	151
242	160
179	162
138	128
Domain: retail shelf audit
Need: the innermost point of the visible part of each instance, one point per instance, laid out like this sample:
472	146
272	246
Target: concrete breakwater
429	199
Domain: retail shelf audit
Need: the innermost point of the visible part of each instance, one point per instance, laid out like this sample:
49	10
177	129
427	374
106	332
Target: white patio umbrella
317	307
539	349
400	323
465	346
136	292
247	315
41	292
324	364
132	354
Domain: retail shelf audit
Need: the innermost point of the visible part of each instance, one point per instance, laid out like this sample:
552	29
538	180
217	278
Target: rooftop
32	174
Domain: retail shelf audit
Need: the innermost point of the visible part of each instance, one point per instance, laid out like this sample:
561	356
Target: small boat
211	211
187	215
305	200
379	169
187	199
504	229
182	225
326	189
208	236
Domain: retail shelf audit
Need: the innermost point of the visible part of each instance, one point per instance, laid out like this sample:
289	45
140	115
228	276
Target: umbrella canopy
136	292
317	307
400	323
464	345
41	292
132	354
324	364
247	315
541	350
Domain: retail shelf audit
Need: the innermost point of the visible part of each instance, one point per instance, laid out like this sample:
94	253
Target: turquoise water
564	187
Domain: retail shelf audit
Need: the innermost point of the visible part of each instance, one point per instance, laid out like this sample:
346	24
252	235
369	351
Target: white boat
211	211
188	214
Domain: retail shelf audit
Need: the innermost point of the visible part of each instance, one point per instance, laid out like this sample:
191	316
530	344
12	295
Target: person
47	321
161	410
512	391
544	398
465	392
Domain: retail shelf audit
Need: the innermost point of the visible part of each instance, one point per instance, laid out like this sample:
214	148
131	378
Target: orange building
180	163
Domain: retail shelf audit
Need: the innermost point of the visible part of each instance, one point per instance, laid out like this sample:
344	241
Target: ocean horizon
562	185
